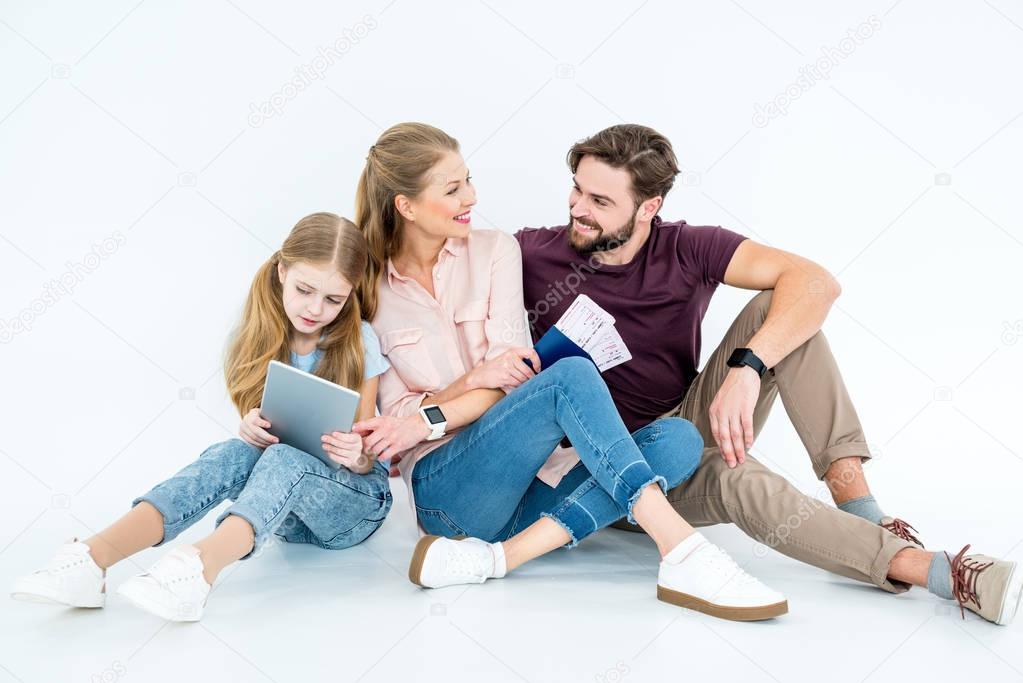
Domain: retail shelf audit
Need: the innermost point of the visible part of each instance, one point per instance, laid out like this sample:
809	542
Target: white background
131	122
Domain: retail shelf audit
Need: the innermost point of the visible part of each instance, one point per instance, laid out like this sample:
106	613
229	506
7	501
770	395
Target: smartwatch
433	416
741	357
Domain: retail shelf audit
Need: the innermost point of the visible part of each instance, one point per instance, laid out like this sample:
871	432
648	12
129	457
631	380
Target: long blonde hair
264	333
396	164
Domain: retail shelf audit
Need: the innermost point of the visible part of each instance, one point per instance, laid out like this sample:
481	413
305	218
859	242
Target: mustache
589	224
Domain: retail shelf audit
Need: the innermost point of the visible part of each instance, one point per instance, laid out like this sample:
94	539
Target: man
657	279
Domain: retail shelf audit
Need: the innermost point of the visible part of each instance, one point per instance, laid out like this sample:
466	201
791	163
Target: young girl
300	309
446	302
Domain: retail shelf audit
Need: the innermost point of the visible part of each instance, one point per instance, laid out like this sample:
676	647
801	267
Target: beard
602	241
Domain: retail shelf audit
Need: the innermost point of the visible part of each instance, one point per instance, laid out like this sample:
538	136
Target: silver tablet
302	407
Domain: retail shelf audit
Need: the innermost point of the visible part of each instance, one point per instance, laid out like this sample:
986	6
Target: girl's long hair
396	164
264	332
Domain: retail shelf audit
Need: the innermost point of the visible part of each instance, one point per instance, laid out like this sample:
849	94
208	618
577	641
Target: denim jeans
482	483
279	490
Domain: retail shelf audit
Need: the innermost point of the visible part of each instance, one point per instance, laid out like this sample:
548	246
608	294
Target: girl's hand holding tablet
253	430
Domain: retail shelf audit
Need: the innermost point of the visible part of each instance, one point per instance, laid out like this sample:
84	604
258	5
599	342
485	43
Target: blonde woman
446	302
300	310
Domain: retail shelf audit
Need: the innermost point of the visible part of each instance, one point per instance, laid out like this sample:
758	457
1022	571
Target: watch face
434	415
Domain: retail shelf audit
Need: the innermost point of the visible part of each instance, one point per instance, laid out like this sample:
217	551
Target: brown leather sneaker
986	585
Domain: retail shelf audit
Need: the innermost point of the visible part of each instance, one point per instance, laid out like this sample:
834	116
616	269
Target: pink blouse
431	342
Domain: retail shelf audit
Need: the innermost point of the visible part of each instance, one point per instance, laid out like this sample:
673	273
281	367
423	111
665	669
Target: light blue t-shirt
375	362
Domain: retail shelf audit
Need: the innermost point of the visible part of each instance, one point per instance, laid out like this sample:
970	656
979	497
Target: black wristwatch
741	357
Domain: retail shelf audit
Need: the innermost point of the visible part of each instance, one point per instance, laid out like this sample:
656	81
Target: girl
300	309
446	302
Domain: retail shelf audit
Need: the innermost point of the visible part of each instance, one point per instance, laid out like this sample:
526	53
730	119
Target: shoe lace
174	568
903	530
467	560
64	559
723	563
965	572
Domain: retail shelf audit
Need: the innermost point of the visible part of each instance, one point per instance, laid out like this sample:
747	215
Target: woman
446	303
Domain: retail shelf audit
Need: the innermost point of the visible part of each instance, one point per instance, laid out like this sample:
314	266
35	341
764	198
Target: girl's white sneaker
174	588
71	578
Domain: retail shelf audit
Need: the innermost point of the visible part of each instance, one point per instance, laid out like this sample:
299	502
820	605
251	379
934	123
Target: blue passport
554	346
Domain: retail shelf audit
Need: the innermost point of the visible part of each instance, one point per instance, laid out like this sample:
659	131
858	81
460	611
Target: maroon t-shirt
658	301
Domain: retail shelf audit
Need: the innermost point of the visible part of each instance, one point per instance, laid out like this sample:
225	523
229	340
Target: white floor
298	613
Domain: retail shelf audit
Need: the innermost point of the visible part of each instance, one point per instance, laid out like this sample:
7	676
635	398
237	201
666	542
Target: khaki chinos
764	504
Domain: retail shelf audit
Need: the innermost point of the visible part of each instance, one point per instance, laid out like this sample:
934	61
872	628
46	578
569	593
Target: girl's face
313	295
442	208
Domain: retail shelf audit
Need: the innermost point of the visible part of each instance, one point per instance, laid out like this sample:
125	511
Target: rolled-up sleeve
506	325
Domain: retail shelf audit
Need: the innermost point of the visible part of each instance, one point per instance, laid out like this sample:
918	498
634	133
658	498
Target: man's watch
741	357
433	416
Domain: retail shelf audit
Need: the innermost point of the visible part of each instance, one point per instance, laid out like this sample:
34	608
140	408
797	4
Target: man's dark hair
642	151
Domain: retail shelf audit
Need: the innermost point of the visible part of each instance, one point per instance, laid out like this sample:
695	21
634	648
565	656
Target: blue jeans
482	483
279	490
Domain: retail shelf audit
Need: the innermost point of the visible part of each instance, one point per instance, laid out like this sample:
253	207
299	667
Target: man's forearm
800	303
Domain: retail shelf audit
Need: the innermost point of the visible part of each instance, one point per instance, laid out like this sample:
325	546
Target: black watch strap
741	357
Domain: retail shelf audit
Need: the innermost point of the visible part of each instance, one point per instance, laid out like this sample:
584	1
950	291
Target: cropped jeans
279	490
483	483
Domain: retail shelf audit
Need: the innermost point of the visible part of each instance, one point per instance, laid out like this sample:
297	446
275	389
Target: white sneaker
700	576
71	578
174	588
438	562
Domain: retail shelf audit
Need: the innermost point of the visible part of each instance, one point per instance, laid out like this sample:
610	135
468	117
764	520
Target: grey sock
939	576
865	507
